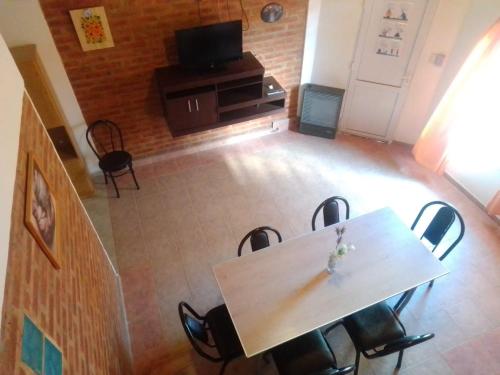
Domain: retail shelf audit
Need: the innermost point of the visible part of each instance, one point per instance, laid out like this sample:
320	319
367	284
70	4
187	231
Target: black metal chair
259	238
112	157
214	331
307	355
331	214
377	331
434	233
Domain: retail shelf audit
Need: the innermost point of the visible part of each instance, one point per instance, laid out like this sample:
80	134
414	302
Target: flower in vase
343	249
340	250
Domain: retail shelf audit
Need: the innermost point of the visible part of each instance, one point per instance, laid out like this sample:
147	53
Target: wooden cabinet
179	112
206	108
195	101
191	111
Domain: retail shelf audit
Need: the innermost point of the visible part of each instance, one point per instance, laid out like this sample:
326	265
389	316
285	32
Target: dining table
284	291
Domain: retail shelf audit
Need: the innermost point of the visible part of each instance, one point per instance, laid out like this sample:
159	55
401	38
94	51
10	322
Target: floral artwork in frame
41	212
92	28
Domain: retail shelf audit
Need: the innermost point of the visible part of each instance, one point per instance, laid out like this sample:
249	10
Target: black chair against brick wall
114	161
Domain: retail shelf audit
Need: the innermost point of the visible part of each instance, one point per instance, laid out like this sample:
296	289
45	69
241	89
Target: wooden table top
281	292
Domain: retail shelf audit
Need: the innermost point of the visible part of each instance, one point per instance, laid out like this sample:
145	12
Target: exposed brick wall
78	305
117	83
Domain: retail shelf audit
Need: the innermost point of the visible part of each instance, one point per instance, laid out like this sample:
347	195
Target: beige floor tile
192	212
432	366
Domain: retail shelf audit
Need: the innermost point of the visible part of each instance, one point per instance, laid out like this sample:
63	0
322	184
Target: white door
391	36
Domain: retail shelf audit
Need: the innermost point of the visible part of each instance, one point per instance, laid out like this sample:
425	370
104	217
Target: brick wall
117	83
78	305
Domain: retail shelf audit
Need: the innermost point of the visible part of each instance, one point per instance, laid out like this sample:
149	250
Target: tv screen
210	46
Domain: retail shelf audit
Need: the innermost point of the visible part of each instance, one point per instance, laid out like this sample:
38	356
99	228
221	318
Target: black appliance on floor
320	110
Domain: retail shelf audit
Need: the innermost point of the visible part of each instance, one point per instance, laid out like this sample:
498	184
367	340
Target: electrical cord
199	10
244	14
218	10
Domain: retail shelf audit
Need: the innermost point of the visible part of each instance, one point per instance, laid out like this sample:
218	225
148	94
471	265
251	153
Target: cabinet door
181	113
205	106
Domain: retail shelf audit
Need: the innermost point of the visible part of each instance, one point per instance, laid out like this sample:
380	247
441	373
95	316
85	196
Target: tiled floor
191	213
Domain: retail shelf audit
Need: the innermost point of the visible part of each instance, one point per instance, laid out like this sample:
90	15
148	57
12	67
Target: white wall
457	25
331	45
333	42
420	100
481	182
11	97
480	16
310	42
23	22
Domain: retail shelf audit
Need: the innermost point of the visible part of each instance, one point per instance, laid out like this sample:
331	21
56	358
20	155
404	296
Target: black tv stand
195	101
216	68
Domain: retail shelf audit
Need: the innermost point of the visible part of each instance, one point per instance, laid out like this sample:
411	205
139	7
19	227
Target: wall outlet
437	59
278	125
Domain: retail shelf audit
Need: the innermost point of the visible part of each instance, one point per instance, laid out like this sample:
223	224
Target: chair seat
306	354
115	161
373	327
223	332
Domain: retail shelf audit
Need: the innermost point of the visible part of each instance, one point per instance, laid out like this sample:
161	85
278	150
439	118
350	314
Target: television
211	46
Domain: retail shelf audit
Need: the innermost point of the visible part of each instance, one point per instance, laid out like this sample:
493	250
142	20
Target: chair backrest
259	238
331	212
106	136
440	225
196	330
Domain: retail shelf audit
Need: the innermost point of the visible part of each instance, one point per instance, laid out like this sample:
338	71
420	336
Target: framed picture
41	212
92	28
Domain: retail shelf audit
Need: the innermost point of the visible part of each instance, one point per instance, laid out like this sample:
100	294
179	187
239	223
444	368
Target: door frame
425	27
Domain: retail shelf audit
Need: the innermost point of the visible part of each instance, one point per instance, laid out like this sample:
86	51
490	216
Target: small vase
332	261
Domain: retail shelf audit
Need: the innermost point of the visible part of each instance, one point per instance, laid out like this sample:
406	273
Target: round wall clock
271	12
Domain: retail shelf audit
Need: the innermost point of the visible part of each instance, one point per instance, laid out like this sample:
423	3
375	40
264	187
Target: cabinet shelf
252	112
239	83
264	95
195	102
240	95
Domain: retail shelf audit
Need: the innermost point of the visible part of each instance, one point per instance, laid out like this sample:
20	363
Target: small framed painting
92	28
41	212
